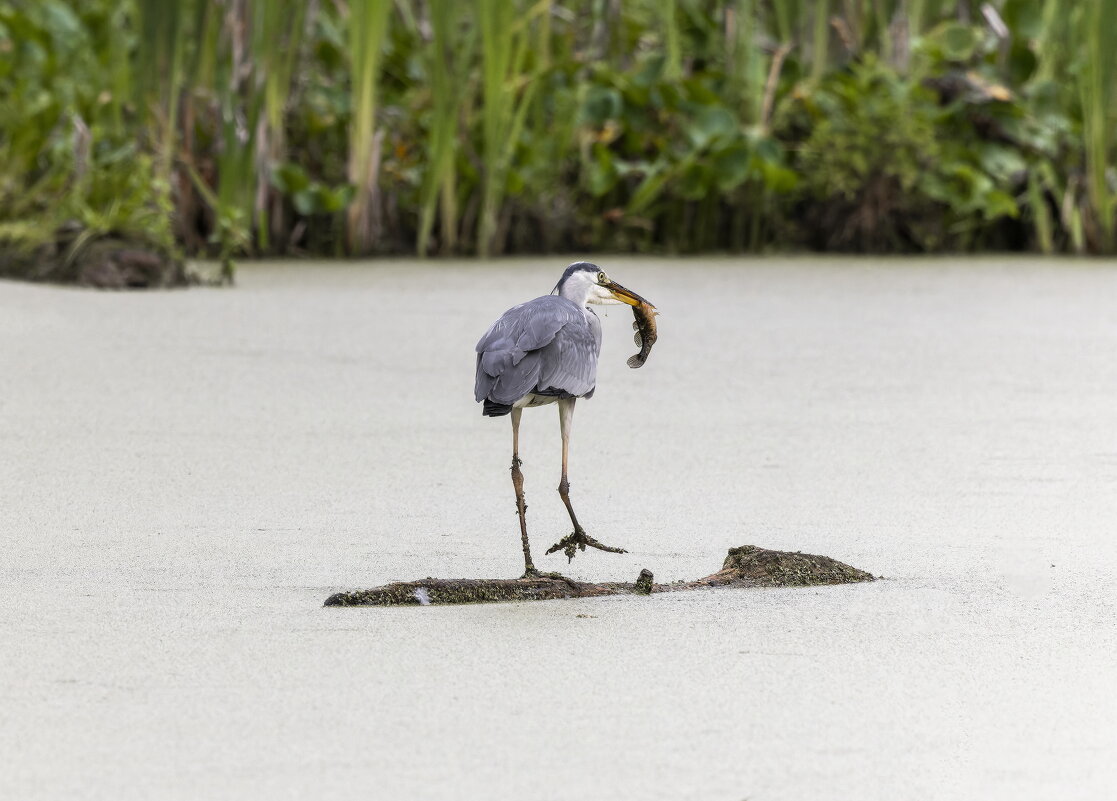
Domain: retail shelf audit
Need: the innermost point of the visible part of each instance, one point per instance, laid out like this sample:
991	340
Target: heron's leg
566	420
518	483
579	539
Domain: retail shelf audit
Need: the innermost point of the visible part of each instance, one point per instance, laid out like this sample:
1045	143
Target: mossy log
744	567
105	263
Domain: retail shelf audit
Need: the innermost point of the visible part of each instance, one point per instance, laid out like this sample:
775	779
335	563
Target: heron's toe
572	543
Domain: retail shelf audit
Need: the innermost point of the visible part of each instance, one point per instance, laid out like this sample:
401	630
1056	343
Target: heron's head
584	283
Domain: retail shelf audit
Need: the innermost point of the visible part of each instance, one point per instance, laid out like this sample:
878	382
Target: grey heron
545	351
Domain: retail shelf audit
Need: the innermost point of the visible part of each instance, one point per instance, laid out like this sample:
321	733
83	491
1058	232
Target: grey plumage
547	347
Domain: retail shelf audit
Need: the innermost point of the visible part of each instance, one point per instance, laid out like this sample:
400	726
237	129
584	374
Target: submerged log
106	263
744	567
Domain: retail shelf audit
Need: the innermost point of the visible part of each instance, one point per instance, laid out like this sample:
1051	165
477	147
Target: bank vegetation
223	128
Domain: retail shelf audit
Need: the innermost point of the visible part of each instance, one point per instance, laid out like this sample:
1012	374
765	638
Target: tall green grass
368	27
1098	88
448	57
508	86
278	29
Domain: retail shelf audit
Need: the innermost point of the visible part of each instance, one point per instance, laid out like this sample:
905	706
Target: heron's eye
602	278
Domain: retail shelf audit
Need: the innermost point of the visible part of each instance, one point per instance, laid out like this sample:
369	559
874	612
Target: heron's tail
492	409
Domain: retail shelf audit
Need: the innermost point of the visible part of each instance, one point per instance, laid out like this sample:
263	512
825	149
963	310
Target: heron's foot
578	542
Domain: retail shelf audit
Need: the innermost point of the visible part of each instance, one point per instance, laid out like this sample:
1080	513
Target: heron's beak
625	295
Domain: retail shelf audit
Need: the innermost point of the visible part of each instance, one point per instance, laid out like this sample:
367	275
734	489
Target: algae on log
105	263
746	566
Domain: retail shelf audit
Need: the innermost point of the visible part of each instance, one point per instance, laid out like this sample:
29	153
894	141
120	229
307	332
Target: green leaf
1024	18
601	171
649	189
1002	163
514	182
731	167
305	202
602	103
695	181
1022	63
62	22
999	204
651	70
778	179
955	40
343	196
710	123
766	147
289	178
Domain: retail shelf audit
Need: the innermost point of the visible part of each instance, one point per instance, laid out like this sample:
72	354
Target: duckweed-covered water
187	475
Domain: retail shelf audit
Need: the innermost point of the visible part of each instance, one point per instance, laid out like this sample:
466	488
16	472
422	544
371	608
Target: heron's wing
543	344
569	361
